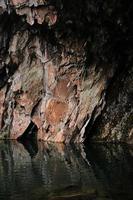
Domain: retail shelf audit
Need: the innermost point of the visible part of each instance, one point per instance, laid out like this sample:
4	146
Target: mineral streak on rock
2	98
56	71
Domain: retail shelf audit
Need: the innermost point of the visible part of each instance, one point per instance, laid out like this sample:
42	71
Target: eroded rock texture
58	65
116	120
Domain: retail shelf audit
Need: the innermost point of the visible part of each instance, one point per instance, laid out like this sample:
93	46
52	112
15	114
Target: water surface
47	171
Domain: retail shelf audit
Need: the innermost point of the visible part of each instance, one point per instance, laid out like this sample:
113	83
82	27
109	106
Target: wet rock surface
59	67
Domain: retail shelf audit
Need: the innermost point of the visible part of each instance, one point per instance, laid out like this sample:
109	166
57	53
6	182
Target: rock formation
59	68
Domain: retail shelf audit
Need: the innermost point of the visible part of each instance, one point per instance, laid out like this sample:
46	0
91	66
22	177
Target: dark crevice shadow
29	139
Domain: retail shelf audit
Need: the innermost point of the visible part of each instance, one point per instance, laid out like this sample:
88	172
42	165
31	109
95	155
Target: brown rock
55	111
21	121
62	89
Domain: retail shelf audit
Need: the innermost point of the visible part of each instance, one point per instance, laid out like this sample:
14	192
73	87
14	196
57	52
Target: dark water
57	172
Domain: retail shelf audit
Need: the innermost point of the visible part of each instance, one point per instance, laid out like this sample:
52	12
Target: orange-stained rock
55	111
60	137
37	120
57	98
49	89
62	89
46	77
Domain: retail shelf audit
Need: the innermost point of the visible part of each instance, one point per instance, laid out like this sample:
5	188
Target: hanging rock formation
59	63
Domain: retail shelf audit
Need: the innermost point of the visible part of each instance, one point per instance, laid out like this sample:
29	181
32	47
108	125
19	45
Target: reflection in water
101	172
30	145
113	167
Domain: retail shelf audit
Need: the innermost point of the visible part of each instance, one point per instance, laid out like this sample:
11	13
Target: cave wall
116	121
59	68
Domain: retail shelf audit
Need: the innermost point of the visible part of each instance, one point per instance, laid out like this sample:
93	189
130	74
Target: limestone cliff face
52	76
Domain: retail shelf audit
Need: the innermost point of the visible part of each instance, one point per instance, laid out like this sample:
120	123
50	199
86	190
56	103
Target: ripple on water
62	172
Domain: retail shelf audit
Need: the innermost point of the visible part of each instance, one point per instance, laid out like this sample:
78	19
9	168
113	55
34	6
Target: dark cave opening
29	139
